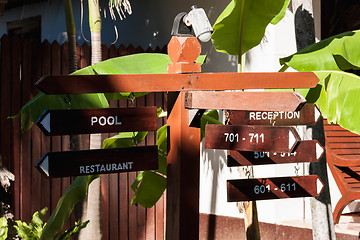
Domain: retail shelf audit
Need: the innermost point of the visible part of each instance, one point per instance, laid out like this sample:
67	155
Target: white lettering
111	120
93	120
87	169
264	115
102	120
114	168
125	165
258	117
102	169
82	169
97	167
297	114
252	116
116	121
130	163
119	166
108	167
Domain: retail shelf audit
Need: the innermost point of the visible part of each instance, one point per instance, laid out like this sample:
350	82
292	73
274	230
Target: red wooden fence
22	64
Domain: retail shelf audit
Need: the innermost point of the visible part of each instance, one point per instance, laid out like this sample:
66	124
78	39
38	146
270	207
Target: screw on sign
304	151
273	188
251	138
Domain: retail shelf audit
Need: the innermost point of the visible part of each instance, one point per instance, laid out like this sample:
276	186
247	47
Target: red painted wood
240	100
5	103
26	84
305	151
305	116
55	141
150	212
42	191
36	188
160	205
251	138
45	141
343	158
125	195
272	188
65	140
174	82
142	212
132	209
14	124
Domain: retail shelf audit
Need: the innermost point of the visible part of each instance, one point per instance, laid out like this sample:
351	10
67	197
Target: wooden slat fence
22	64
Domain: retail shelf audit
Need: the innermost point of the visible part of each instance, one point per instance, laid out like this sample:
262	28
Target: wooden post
183	166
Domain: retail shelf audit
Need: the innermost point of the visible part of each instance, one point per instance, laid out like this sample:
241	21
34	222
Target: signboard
251	138
101	161
305	151
78	84
309	114
102	120
273	188
249	100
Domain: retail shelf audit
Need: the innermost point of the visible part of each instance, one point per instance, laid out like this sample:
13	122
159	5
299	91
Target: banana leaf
75	193
340	52
337	96
241	26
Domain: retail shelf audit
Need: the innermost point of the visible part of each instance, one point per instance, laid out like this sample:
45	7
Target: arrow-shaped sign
273	188
249	100
251	138
101	161
309	114
78	84
305	151
102	120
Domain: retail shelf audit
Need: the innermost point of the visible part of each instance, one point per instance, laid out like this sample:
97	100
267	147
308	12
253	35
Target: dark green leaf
281	14
211	117
150	189
76	192
124	139
241	26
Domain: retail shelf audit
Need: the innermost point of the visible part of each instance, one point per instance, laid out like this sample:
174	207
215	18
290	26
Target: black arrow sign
305	151
102	120
101	161
273	188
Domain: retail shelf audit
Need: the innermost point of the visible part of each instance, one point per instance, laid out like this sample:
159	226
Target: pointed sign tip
43	165
292	140
317	113
319	151
319	185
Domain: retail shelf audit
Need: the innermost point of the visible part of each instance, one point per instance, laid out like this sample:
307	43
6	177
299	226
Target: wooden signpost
305	151
240	100
103	120
182	220
273	188
100	161
309	114
78	84
251	138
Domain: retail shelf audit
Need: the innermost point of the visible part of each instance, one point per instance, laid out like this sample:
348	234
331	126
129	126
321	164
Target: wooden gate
22	64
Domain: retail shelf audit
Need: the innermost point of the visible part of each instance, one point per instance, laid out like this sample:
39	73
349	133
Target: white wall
279	42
